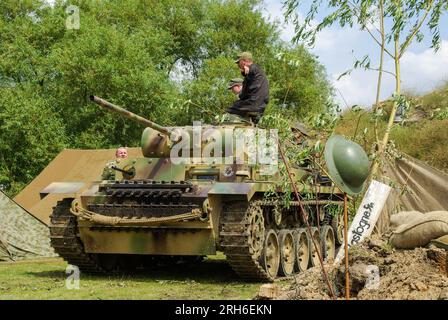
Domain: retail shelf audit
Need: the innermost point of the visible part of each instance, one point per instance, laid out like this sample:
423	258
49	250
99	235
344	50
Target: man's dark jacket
255	93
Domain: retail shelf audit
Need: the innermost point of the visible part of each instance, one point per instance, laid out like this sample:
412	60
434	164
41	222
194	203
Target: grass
212	279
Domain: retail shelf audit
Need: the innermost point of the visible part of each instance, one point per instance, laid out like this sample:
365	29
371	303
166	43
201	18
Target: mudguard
61	188
246	190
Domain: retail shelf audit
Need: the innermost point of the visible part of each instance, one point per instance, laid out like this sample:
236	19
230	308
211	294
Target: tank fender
61	188
245	190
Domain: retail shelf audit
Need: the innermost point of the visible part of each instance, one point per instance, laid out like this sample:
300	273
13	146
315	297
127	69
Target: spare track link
64	239
234	241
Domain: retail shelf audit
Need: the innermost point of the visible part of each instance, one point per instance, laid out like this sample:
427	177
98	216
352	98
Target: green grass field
46	279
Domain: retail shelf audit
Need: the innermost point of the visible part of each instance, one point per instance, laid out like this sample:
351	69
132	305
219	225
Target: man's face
121	153
241	64
236	89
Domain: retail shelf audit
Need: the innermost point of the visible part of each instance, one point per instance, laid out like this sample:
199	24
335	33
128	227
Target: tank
162	207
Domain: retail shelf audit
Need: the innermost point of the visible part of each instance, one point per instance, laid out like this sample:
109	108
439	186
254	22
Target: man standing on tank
255	93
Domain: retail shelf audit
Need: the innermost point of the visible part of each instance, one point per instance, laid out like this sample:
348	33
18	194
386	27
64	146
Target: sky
338	48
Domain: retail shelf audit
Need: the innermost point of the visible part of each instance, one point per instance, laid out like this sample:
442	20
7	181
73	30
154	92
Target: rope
77	210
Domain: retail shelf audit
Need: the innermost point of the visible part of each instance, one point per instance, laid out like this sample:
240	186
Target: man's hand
246	70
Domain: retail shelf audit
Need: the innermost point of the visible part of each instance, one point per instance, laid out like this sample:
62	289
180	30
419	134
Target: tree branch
368	30
385	71
406	44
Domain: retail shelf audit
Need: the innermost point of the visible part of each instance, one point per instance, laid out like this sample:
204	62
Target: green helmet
347	163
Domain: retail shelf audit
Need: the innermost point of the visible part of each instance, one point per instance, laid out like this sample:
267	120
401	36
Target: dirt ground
418	274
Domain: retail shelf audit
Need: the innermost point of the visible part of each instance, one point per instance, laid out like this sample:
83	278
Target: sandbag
403	217
421	231
441	242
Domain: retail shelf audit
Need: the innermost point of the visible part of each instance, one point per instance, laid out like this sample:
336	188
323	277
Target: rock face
375	243
440	257
378	272
443	295
268	291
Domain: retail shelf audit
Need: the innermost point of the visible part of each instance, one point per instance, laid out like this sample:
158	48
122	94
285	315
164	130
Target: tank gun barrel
127	114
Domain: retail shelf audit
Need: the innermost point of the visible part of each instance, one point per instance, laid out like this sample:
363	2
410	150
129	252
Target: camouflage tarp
21	235
416	186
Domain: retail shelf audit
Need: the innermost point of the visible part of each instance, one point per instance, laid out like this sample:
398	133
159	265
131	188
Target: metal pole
347	276
305	218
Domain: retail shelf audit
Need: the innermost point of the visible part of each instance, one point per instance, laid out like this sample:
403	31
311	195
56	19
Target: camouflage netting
21	235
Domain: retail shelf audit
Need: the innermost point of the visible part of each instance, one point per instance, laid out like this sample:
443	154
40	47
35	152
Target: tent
21	235
24	220
70	165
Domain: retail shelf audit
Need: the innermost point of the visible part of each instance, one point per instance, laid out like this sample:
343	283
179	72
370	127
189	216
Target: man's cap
234	82
244	56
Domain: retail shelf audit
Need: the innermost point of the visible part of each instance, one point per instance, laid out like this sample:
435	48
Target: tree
406	19
31	133
126	52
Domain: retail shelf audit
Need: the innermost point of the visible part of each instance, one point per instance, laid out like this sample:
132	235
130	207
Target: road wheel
287	252
328	243
314	257
302	242
271	254
337	224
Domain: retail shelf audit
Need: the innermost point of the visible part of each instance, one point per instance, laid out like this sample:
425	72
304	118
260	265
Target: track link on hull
65	241
236	243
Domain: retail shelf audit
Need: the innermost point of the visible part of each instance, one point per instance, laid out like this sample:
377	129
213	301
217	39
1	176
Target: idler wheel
287	252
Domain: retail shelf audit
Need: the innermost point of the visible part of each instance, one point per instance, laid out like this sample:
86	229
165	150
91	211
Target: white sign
366	216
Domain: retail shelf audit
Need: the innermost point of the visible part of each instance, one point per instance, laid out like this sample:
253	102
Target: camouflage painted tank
163	207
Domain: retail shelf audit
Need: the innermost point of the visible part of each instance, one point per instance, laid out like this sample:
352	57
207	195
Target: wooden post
347	277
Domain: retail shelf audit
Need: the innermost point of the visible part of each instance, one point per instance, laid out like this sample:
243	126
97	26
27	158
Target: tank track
65	241
234	241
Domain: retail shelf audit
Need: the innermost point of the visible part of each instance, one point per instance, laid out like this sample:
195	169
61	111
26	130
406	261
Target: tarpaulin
416	186
21	235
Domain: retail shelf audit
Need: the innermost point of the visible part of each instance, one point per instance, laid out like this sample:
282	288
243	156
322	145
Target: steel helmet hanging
348	164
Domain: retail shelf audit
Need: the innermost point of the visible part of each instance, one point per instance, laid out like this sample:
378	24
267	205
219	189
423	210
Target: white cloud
426	70
359	88
335	39
273	11
337	48
420	73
